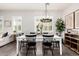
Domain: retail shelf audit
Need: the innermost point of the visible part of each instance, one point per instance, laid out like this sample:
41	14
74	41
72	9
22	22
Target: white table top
39	37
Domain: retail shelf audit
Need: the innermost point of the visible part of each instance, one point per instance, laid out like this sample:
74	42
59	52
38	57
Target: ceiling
34	6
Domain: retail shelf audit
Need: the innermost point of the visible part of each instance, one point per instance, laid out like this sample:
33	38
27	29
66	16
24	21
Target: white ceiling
33	6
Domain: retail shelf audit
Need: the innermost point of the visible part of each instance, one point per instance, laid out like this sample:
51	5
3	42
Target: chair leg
35	50
26	50
43	50
53	44
51	50
58	44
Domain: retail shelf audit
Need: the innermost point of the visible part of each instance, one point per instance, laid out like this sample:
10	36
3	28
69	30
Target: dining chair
32	33
48	43
56	44
23	45
45	32
31	43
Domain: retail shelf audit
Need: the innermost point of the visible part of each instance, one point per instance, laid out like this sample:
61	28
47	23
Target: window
43	25
17	23
1	24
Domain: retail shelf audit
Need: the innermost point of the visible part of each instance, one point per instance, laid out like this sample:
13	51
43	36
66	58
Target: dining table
39	39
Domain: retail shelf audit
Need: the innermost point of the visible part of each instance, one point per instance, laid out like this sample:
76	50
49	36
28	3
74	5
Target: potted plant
60	26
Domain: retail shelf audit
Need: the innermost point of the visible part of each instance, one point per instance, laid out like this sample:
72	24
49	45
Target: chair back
31	38
45	32
32	33
48	38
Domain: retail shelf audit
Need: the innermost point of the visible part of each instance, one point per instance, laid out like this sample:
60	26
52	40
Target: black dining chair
32	33
45	32
56	44
48	43
31	43
23	45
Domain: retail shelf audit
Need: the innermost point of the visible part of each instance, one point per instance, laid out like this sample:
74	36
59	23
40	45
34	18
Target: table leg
17	47
60	47
39	51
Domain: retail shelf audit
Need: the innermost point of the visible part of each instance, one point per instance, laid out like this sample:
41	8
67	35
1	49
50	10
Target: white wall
28	18
72	8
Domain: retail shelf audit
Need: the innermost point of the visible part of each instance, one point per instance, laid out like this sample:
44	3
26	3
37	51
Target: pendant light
46	19
46	5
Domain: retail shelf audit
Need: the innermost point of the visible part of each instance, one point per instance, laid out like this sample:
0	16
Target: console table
72	41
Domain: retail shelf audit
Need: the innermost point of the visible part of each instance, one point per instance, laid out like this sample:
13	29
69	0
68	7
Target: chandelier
46	5
46	19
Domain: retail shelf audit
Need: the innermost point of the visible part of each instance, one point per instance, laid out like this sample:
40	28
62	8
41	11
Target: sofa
5	38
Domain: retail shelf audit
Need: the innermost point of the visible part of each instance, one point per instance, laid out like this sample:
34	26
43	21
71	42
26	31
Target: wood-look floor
10	50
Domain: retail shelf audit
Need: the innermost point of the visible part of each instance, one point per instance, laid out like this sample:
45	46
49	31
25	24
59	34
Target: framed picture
77	19
69	19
